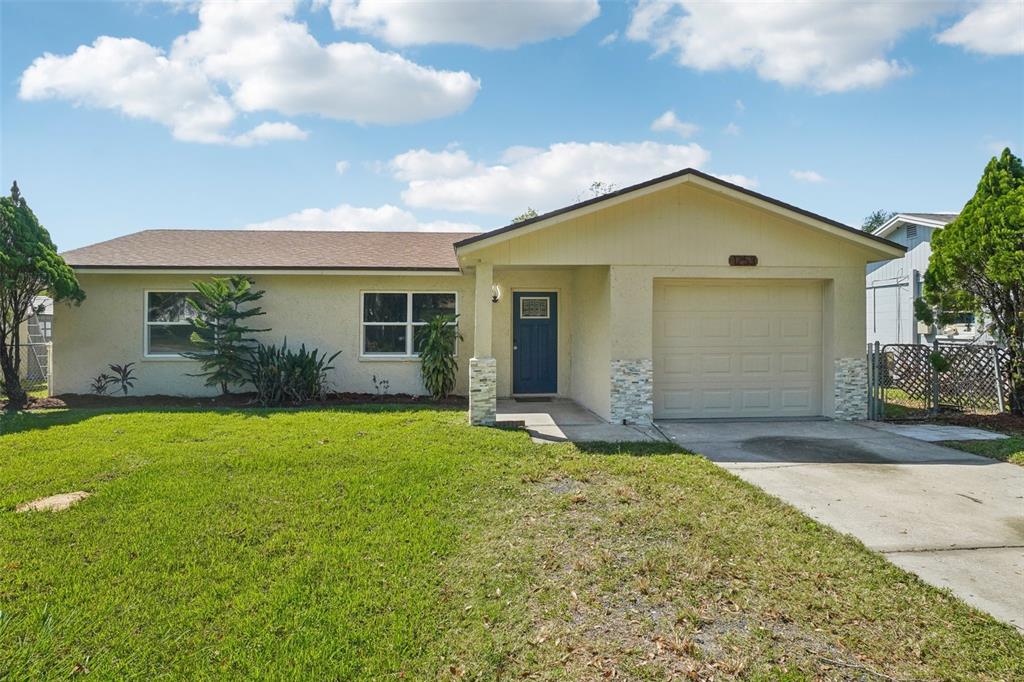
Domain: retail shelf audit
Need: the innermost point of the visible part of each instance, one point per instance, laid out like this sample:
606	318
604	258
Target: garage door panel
750	349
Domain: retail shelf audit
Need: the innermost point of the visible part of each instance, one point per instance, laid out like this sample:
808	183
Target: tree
977	263
598	188
218	331
528	214
29	266
876	219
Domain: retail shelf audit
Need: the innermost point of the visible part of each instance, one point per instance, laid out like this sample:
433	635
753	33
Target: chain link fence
903	380
35	366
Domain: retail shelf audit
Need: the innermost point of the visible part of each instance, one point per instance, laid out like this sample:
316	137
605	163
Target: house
681	297
893	285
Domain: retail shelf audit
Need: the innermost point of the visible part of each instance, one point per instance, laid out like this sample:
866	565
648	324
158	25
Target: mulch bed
1003	423
235	400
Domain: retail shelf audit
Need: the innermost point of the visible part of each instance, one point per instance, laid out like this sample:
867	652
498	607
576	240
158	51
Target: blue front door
534	342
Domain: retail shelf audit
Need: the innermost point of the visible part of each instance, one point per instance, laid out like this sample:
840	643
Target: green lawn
391	543
1006	449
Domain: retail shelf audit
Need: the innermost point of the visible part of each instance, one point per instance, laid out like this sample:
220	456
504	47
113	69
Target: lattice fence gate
901	378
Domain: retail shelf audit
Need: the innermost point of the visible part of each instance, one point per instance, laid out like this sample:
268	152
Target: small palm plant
124	376
435	342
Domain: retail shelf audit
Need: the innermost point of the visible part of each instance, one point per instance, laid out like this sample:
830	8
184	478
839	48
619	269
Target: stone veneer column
483	367
632	391
483	391
851	389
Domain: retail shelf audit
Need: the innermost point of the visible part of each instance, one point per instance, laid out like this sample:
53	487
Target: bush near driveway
394	542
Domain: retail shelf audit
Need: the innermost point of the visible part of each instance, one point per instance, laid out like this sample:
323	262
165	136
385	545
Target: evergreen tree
218	329
29	267
977	262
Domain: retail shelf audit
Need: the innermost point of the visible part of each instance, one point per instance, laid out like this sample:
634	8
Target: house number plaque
742	260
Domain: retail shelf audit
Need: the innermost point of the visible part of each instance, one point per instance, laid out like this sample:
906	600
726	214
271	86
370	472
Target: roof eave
894	223
275	269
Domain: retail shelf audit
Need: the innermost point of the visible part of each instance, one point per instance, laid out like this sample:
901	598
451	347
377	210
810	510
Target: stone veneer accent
483	391
632	391
851	389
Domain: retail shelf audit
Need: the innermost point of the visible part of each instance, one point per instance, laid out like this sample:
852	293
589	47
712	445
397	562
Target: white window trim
146	324
409	353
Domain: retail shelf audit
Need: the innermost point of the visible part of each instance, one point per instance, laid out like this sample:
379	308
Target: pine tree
218	329
977	262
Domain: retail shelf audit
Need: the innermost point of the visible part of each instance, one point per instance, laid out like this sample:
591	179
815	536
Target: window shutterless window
392	320
167	330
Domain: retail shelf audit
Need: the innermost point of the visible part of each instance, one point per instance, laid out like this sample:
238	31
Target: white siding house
893	285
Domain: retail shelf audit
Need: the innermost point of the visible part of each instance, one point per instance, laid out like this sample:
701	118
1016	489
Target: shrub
101	383
218	329
436	344
123	375
283	376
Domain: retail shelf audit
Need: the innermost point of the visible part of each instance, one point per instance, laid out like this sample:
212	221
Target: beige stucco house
681	297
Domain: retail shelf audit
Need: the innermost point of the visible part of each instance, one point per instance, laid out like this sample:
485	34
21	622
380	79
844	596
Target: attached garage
728	348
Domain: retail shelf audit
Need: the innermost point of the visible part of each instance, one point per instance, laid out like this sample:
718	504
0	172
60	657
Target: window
534	308
391	321
168	331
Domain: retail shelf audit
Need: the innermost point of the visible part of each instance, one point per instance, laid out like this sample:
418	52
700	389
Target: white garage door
737	349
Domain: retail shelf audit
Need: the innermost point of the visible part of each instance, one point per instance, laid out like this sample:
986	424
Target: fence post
998	376
935	379
49	369
879	389
871	382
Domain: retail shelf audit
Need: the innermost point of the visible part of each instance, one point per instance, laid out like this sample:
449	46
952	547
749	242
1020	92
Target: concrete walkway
936	433
558	420
954	519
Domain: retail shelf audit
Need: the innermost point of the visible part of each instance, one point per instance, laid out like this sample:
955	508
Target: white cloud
609	39
419	164
827	45
740	106
548	178
741	180
346	217
341	167
267	132
136	79
807	176
994	27
732	129
495	24
669	122
273	62
252	57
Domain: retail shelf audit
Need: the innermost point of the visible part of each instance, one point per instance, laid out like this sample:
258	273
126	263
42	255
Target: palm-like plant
435	342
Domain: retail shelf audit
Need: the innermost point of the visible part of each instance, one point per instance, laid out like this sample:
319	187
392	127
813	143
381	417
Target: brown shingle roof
272	249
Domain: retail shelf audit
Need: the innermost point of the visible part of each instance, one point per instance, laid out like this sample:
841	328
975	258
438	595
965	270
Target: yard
397	542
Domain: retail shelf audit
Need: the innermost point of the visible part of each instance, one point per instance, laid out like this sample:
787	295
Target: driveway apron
954	519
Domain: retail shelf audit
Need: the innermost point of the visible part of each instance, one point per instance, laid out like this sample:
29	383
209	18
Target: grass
1009	449
898	404
33	390
389	543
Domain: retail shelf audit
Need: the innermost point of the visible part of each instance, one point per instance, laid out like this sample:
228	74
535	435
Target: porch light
495	293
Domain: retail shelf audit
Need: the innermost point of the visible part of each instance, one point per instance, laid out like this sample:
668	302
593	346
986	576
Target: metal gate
902	378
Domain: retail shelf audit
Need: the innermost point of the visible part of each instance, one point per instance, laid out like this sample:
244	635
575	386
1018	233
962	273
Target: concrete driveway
954	519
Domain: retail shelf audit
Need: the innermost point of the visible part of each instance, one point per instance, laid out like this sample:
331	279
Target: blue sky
453	118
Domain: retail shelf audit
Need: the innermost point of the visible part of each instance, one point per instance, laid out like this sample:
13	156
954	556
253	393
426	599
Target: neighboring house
681	297
892	286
